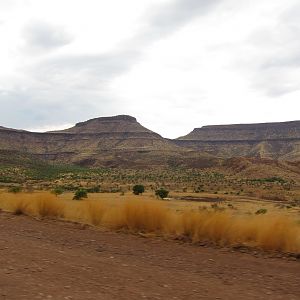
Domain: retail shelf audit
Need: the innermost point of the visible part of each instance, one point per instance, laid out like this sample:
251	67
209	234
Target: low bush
162	193
138	189
15	189
80	194
58	191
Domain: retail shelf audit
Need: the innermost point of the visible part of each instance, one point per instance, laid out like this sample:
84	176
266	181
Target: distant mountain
120	141
115	124
115	133
266	140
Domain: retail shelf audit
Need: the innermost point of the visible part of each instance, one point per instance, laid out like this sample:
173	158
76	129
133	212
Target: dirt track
59	260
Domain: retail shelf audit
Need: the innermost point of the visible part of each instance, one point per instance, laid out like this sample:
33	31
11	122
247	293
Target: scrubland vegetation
208	205
41	175
269	231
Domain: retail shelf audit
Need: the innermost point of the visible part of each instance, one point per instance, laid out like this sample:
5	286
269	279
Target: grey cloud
276	83
84	72
60	85
34	108
43	36
97	70
167	18
278	55
282	60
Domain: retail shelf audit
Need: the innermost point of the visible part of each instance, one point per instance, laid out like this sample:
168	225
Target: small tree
162	193
15	189
79	194
138	189
58	190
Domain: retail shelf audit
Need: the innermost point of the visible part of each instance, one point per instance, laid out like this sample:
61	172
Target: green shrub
58	190
79	194
162	193
138	189
15	189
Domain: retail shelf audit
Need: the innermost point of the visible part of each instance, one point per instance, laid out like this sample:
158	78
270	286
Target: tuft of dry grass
49	206
273	232
40	204
20	207
136	215
206	225
95	212
278	233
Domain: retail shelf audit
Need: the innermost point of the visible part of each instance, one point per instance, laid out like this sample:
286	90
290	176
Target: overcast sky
173	64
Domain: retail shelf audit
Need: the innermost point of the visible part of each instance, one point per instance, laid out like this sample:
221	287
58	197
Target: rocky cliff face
266	140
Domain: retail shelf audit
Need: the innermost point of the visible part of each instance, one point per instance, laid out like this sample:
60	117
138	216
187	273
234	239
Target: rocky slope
265	140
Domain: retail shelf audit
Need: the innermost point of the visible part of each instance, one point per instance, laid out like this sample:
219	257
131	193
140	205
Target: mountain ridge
120	141
289	129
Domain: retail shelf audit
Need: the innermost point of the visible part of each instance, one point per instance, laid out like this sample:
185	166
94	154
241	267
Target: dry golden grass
39	204
136	215
213	226
49	206
20	206
270	232
95	212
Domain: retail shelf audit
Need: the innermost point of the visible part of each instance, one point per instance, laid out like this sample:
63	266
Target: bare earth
60	260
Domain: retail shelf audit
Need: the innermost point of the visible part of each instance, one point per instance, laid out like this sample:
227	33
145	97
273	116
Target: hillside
279	141
121	141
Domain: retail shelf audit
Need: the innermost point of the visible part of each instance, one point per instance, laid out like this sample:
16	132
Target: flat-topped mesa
246	132
124	118
115	124
108	141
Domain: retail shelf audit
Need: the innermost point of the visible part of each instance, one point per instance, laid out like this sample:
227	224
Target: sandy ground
61	260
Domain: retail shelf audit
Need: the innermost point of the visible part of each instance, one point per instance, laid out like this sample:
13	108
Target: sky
173	64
